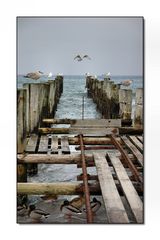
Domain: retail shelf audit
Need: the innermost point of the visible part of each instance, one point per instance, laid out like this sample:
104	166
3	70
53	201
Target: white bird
108	74
126	83
80	57
50	74
34	75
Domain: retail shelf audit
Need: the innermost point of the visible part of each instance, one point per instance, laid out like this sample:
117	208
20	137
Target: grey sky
50	45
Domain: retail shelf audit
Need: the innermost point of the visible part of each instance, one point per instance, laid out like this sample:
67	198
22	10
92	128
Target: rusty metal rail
127	160
85	182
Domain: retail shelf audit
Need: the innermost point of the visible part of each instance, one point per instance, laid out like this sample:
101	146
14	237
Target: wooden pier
111	145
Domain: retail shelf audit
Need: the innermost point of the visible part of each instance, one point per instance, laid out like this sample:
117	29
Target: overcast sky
50	44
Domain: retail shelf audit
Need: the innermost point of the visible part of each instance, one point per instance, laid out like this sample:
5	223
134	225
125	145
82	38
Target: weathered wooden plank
128	188
65	145
133	149
125	100
31	145
94	123
98	131
73	158
136	142
58	188
140	138
54	145
114	207
43	144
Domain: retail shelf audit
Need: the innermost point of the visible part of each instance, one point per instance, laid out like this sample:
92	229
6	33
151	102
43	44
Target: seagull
80	57
34	75
50	74
126	82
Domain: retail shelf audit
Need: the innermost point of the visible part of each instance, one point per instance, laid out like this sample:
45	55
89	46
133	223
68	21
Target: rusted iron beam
85	181
127	160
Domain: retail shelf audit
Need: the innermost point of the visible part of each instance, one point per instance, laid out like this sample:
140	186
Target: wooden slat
100	123
31	145
140	138
136	142
54	145
114	207
133	149
128	188
43	145
65	145
97	131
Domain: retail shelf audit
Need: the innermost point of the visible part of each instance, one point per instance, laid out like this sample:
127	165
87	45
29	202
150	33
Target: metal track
85	181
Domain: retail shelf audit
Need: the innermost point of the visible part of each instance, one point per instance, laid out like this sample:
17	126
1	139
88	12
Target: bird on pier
34	75
80	57
68	209
95	205
126	83
37	214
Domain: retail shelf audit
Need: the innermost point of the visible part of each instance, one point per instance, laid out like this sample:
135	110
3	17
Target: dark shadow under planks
128	188
114	207
133	149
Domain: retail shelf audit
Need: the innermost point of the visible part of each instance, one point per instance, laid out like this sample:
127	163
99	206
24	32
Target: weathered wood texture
137	143
57	188
105	95
21	120
138	120
53	159
35	102
54	144
138	155
43	144
114	207
65	145
125	101
128	188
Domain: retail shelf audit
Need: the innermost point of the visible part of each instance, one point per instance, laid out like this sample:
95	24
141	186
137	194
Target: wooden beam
50	159
128	188
114	207
43	144
58	188
65	145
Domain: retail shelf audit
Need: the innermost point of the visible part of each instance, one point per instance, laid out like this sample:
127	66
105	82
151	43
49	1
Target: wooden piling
138	118
21	120
125	101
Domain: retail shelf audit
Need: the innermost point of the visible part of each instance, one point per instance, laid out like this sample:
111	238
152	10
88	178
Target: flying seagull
80	57
126	83
34	75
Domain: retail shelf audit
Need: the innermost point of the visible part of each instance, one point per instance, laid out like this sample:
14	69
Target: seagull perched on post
80	57
34	75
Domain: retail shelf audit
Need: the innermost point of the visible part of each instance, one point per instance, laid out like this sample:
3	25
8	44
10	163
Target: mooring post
125	103
138	118
21	178
82	107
